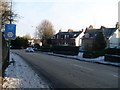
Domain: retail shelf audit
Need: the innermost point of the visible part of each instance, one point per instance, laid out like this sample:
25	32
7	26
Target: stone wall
3	56
5	53
0	60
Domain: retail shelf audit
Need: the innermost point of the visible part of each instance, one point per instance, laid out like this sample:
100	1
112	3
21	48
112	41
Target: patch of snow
20	75
80	54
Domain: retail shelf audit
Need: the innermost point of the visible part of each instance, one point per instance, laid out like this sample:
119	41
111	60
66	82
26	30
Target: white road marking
83	67
115	75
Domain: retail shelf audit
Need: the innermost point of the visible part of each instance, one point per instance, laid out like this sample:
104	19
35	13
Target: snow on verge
20	75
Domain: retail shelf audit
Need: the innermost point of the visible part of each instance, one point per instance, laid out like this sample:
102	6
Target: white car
29	49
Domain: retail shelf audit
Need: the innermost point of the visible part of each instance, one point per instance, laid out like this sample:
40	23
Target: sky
65	14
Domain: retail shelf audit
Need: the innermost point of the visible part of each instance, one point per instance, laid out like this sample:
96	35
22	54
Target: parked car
35	49
29	49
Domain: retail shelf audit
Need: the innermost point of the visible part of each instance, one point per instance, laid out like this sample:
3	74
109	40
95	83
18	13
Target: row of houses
85	38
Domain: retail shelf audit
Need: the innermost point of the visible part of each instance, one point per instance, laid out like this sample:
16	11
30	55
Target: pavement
20	75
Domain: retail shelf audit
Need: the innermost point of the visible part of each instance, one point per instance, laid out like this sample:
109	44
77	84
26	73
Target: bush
66	50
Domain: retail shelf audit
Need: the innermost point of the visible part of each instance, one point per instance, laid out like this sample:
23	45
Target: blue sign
10	31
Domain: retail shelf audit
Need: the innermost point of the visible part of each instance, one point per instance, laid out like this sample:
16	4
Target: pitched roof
92	32
109	31
106	31
72	34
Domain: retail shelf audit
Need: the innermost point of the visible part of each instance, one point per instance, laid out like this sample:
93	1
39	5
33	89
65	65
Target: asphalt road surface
70	73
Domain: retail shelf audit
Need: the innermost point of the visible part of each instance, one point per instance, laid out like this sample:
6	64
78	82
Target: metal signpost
9	34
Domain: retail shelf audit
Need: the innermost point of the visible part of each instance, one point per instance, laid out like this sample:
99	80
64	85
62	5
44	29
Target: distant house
35	41
114	39
30	42
112	36
69	38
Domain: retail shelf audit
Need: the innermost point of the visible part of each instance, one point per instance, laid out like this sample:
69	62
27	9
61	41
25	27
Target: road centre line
83	67
115	75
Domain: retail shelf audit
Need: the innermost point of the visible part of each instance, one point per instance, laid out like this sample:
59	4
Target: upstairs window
87	35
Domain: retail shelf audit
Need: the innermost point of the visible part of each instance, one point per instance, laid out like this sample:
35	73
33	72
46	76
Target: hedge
112	58
113	51
93	54
66	50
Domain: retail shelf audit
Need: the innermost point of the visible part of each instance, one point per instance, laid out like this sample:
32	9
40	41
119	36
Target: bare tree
45	31
6	13
3	8
27	36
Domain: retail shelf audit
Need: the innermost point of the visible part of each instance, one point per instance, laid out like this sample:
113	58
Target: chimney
70	30
102	27
117	25
60	30
91	27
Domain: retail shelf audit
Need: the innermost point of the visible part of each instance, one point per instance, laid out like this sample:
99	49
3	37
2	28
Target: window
87	35
62	36
65	36
57	36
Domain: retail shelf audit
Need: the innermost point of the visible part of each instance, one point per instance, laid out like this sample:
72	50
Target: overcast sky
65	14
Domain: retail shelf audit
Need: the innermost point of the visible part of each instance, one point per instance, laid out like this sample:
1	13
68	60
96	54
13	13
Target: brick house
69	38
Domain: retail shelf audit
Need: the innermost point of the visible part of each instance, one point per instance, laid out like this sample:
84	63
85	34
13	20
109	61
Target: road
70	73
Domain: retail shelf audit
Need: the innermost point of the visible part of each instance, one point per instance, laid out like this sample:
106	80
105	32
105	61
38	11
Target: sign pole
9	34
9	41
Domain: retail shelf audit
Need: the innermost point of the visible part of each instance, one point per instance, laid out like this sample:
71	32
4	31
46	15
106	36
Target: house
69	38
37	41
89	38
114	39
34	41
112	36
